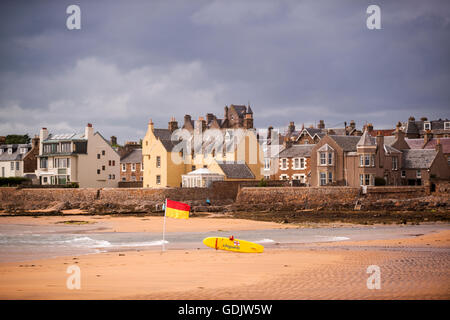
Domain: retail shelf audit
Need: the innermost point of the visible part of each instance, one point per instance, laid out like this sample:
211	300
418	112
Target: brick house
418	128
358	161
131	168
293	163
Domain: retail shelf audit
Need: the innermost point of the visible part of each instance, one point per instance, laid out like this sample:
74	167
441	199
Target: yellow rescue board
235	245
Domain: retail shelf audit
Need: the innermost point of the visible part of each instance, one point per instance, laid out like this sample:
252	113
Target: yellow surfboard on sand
231	244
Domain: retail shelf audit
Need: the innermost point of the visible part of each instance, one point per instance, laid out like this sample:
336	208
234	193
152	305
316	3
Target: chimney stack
321	124
173	124
34	142
248	121
291	127
380	140
438	146
113	140
150	125
88	131
427	137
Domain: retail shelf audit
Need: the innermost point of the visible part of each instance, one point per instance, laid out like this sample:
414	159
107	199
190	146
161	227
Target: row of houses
183	155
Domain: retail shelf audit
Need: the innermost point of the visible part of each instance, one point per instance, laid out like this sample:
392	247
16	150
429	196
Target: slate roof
347	143
15	155
297	150
134	156
388	149
164	136
366	140
240	109
418	158
389	140
236	170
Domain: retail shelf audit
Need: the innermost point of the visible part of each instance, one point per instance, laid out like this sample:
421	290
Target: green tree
17	139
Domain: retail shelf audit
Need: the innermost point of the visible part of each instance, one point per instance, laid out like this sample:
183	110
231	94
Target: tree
17	139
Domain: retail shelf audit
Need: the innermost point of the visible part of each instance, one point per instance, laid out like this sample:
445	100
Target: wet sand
416	267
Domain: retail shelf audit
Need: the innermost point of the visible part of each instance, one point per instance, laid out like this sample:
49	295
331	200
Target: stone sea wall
224	197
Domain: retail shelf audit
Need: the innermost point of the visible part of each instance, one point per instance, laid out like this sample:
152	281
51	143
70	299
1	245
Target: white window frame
283	176
284	163
266	164
427	124
124	167
394	163
419	174
133	167
324	158
447	125
158	181
322	178
403	174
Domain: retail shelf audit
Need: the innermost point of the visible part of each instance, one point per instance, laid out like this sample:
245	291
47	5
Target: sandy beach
413	267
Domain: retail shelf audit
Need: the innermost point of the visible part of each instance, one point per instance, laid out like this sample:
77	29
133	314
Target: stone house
237	158
359	161
19	160
293	163
418	128
131	168
85	158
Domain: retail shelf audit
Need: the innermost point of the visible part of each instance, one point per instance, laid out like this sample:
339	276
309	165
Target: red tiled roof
384	132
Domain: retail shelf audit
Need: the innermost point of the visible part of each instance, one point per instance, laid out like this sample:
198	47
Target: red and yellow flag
177	210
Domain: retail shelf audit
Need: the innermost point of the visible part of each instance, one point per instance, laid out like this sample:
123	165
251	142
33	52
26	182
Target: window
43	163
419	174
330	158
284	177
113	176
302	163
158	162
142	178
323	158
98	171
266	164
367	160
394	163
330	177
158	179
9	150
366	179
296	163
1	151
447	125
427	126
103	168
284	164
17	165
323	178
103	152
23	150
133	167
124	167
45	179
12	166
65	147
113	163
133	178
403	174
124	179
61	163
98	155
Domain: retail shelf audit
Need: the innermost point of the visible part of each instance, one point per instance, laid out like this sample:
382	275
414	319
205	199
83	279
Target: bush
12	181
262	183
72	185
380	181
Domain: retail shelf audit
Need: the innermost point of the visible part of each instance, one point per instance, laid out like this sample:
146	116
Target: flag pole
164	225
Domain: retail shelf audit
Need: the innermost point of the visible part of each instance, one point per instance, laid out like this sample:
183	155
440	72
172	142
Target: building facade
86	159
19	160
234	152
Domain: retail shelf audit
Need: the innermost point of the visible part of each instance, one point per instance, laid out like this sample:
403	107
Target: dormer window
427	125
447	125
9	150
23	150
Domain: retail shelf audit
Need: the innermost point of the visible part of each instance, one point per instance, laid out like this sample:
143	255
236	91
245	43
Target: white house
87	159
11	159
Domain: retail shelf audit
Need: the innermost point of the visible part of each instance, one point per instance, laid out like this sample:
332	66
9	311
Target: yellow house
237	157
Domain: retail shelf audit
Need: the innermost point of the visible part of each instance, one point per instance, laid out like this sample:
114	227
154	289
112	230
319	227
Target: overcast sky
292	60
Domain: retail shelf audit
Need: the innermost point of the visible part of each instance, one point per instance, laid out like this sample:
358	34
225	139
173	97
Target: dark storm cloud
293	60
